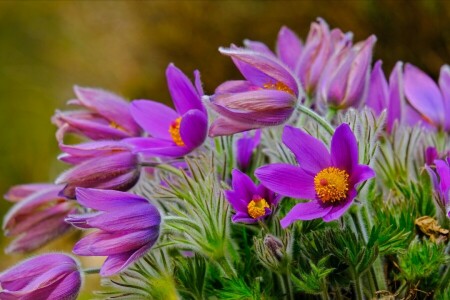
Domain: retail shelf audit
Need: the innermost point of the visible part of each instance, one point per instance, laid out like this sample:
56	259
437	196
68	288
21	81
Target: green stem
357	286
287	282
227	267
91	271
324	295
321	121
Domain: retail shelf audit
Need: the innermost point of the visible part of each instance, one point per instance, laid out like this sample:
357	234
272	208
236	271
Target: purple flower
48	276
21	191
266	98
430	104
328	179
127	227
441	183
390	96
101	164
38	218
177	132
245	145
251	202
106	116
320	44
345	79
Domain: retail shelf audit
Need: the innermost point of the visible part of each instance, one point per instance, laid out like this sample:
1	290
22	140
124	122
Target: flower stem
91	271
227	267
321	121
358	287
164	167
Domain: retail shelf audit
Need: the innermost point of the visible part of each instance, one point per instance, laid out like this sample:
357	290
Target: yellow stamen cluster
116	126
279	86
174	131
257	207
331	184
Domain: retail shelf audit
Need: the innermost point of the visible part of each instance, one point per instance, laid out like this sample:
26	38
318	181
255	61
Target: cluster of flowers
326	74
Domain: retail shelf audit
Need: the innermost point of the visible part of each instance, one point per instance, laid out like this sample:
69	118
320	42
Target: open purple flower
430	104
106	116
441	183
127	227
266	98
328	179
251	202
37	219
245	145
48	276
100	164
174	133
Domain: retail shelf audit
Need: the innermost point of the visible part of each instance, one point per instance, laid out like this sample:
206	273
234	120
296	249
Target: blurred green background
48	46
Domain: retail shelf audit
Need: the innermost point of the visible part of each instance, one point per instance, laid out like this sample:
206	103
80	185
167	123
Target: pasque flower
99	164
430	104
267	97
105	116
345	79
127	226
37	218
251	202
328	179
49	276
173	133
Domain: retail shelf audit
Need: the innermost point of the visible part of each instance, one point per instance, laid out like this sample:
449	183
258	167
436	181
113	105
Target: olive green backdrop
48	46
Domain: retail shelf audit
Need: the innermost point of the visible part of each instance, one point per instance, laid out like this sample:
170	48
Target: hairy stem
319	120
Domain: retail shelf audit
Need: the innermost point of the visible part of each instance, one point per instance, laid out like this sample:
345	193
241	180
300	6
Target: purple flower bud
102	165
48	276
127	227
37	219
441	182
19	192
245	145
106	116
345	79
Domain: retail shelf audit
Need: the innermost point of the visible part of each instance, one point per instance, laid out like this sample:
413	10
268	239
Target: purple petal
193	128
261	69
169	151
105	243
287	180
396	96
424	95
109	105
344	149
116	263
19	192
236	86
444	84
361	173
107	200
339	209
224	126
289	47
258	47
183	93
443	170
154	117
245	146
377	98
305	211
198	83
243	188
143	143
311	154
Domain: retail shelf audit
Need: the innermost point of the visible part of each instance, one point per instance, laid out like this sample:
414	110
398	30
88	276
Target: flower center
331	184
279	86
174	131
116	126
257	207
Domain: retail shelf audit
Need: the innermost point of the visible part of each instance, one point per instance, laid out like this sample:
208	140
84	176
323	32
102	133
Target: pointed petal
287	180
289	47
396	96
339	209
377	98
236	86
361	173
224	126
344	149
183	93
305	211
154	117
310	153
107	200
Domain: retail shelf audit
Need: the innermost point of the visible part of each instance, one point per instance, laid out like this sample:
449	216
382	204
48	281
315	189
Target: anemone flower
47	276
37	218
127	227
267	97
173	133
328	179
105	116
251	202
